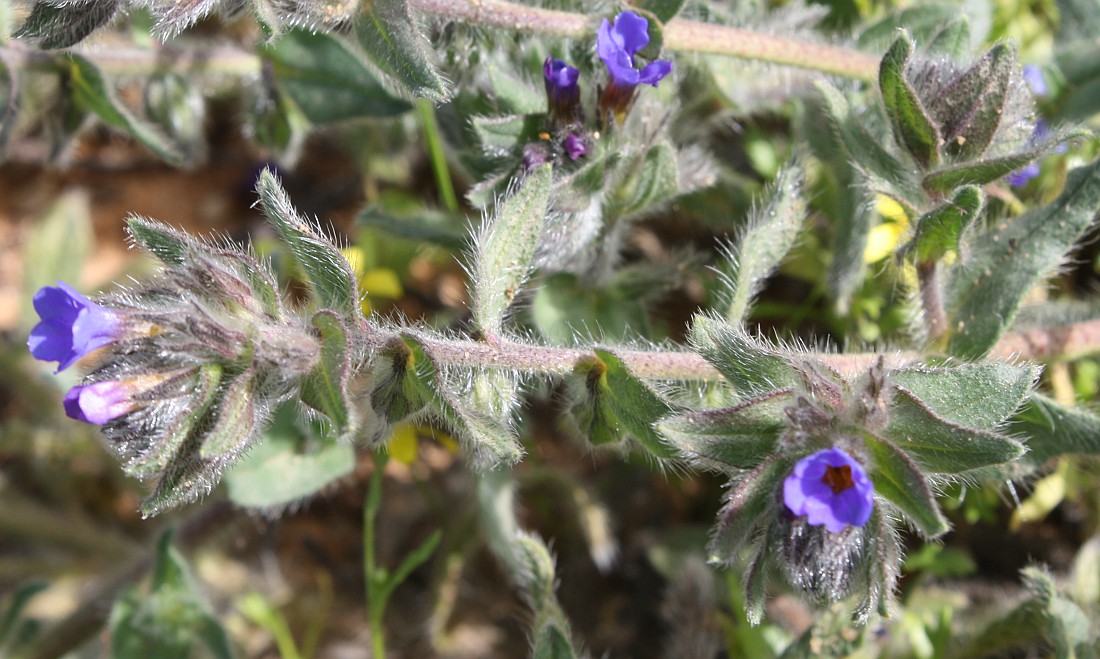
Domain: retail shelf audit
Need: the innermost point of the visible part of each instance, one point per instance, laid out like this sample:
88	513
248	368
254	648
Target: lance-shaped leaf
394	44
234	424
177	249
328	80
952	39
762	244
1009	259
750	368
92	92
738	437
502	136
897	479
487	434
940	446
939	230
327	272
504	250
325	388
969	109
975	395
60	25
167	619
752	501
292	463
985	170
618	405
912	125
1053	429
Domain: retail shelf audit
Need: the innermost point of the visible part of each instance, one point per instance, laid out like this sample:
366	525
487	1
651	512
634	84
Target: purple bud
830	488
575	147
562	91
100	402
535	154
72	326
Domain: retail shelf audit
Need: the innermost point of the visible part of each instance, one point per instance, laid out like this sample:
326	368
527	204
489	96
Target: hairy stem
931	298
679	34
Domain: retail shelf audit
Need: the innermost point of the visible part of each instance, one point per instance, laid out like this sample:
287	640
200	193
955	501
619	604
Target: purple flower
100	402
829	488
1033	76
563	94
575	147
72	326
1021	177
617	44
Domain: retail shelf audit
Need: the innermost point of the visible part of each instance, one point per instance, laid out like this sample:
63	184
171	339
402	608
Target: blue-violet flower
72	326
616	45
830	488
1033	76
563	94
100	402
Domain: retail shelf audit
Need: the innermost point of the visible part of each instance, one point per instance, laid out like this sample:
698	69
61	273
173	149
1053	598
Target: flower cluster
617	44
190	366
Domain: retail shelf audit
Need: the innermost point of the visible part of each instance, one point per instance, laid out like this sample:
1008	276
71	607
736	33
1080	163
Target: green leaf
325	388
505	248
939	230
898	479
393	43
166	621
9	619
968	110
487	434
566	306
617	405
327	272
92	92
762	244
397	392
750	368
975	395
952	40
328	80
1053	429
922	21
738	437
751	501
292	463
552	642
235	422
912	125
663	10
501	137
985	170
433	227
646	181
940	446
1005	262
52	26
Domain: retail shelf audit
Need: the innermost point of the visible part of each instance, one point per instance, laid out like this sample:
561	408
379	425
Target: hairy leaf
327	272
235	423
738	437
1008	260
504	250
648	181
975	395
325	388
912	125
939	230
762	244
395	45
91	91
985	170
969	109
53	25
328	80
1052	429
750	368
940	446
751	501
898	479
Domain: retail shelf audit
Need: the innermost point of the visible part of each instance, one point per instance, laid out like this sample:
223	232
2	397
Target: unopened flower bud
563	94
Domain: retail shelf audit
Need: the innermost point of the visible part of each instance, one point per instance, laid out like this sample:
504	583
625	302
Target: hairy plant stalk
228	61
931	297
679	34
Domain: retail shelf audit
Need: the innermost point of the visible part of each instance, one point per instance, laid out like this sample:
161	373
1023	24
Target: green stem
679	35
376	597
437	155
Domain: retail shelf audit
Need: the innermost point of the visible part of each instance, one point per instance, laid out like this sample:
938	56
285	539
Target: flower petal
632	31
654	72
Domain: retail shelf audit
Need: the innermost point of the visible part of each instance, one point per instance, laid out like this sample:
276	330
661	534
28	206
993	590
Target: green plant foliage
392	41
730	438
1053	429
1006	261
908	116
293	462
939	231
60	26
506	247
328	80
749	367
898	478
325	389
168	620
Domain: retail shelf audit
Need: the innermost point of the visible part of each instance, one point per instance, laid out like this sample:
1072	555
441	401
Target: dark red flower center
838	478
